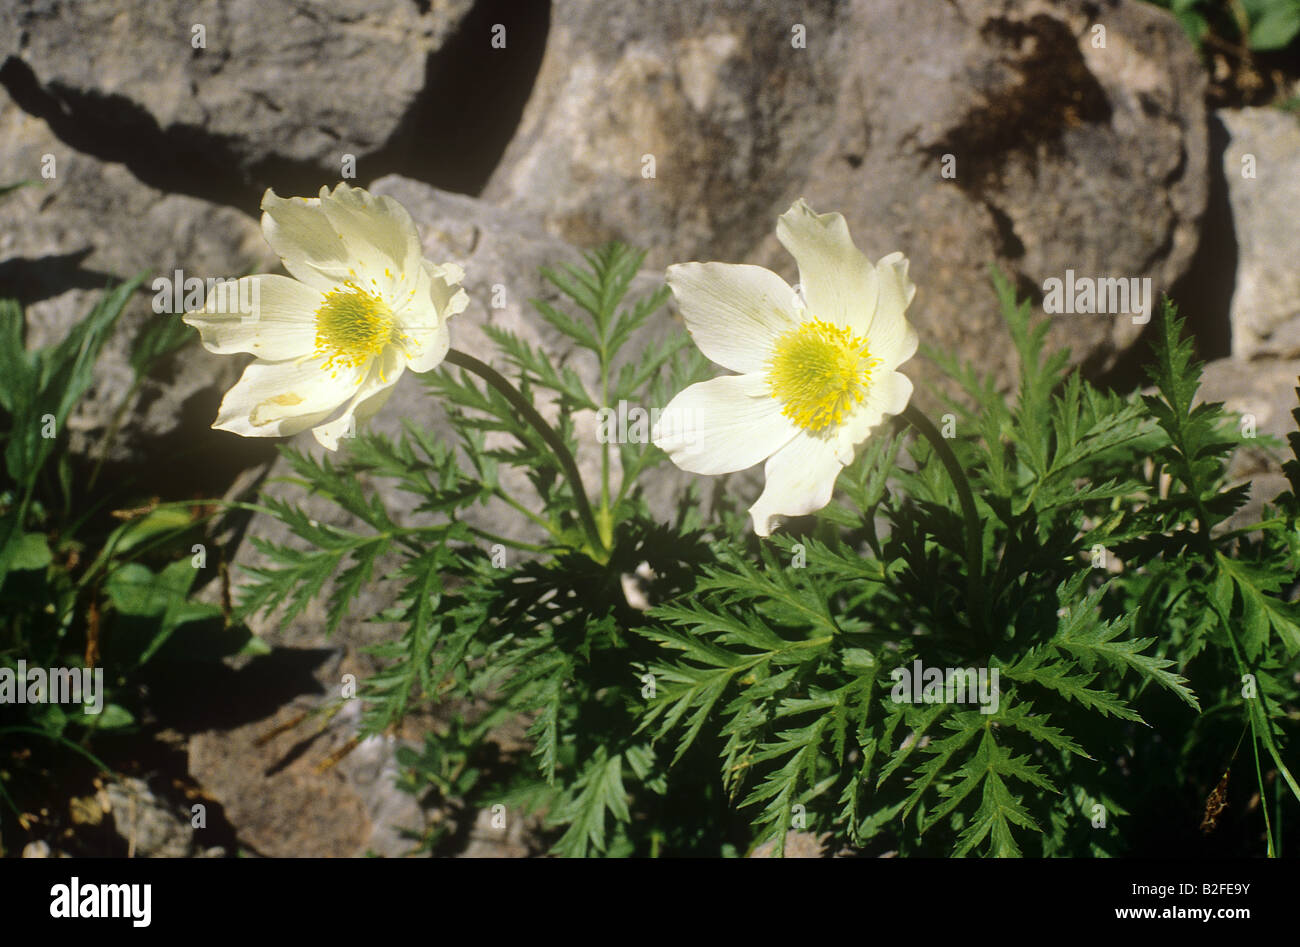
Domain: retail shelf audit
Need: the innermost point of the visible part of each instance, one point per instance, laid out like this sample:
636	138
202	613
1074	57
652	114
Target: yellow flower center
353	326
819	371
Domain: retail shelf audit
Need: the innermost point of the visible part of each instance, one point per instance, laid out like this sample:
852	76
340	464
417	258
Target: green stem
504	541
557	446
1256	716
526	512
605	521
1253	528
974	531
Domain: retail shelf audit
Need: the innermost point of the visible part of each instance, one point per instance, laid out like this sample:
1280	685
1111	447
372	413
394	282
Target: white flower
362	306
817	367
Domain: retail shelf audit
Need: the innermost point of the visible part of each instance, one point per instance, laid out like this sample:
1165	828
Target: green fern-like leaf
595	796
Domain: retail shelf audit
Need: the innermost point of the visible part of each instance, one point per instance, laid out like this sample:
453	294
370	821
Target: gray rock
1066	156
278	802
151	826
502	253
502	834
395	816
93	224
276	81
1265	309
1263	392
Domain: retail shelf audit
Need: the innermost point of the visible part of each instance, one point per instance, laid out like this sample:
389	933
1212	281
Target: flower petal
800	480
301	234
427	347
434	298
365	403
887	395
275	399
722	425
735	312
838	281
445	289
890	336
280	325
377	232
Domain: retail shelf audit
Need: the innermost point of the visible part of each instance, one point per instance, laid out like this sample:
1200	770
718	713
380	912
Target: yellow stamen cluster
819	371
353	326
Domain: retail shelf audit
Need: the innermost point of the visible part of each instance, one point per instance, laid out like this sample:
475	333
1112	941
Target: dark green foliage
1117	605
1261	25
548	639
80	583
794	667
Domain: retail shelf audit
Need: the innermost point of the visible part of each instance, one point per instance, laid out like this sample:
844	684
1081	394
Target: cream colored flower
362	306
816	368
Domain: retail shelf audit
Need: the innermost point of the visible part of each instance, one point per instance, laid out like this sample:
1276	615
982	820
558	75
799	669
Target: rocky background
520	132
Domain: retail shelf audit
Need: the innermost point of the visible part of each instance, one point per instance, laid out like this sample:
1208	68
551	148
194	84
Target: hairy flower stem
553	441
974	531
